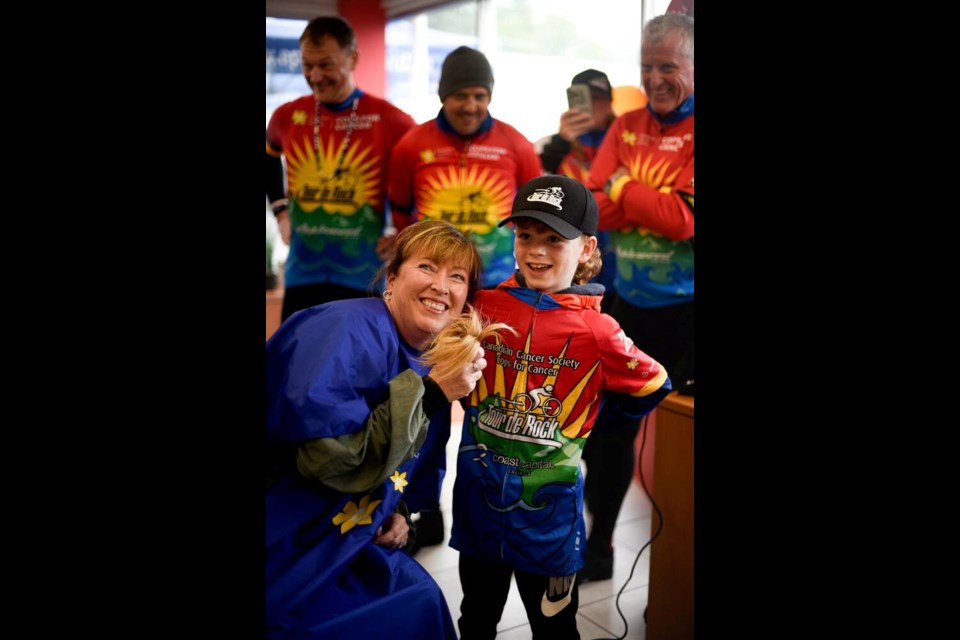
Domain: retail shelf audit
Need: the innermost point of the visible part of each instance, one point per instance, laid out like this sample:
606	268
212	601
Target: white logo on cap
553	195
599	83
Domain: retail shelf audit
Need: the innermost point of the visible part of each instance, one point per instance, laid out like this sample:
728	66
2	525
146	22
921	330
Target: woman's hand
461	342
393	532
460	382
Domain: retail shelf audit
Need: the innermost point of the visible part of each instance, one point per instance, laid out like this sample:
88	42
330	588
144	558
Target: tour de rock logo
539	415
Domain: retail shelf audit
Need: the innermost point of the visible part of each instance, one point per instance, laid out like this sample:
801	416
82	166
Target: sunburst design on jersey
473	199
299	116
358	180
574	170
655	176
537	432
510	416
629	137
570	426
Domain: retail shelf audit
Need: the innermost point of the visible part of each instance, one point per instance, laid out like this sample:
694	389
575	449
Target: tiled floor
597	617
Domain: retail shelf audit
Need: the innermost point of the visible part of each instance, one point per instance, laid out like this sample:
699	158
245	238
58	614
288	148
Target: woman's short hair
441	242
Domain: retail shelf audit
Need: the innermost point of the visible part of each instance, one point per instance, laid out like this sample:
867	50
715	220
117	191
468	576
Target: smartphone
578	97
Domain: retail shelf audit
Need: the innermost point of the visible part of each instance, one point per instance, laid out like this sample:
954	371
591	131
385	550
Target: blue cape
327	368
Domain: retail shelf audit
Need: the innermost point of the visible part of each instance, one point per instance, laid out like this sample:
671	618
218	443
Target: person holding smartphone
570	151
582	128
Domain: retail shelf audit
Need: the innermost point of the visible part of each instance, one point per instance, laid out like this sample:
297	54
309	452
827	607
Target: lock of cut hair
456	345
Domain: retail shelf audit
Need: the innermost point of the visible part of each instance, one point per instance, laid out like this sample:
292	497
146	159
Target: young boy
518	496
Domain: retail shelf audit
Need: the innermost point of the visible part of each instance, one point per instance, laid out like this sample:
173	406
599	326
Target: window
534	46
284	76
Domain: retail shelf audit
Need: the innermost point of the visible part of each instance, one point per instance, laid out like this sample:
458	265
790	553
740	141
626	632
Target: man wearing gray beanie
465	67
464	167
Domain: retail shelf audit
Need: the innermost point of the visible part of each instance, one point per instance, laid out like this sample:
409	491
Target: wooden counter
274	308
670	600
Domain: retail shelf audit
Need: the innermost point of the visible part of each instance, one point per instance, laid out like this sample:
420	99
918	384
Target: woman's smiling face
426	296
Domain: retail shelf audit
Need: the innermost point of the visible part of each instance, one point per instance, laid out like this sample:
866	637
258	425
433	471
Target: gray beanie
465	67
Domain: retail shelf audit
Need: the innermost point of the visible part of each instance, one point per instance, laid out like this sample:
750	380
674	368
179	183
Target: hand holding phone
578	97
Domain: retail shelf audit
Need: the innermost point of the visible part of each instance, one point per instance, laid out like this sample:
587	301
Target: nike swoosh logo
551	609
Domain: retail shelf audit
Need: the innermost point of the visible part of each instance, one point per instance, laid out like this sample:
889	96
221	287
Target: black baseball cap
598	82
560	202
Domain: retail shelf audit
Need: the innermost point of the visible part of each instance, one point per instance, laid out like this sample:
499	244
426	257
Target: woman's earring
387	295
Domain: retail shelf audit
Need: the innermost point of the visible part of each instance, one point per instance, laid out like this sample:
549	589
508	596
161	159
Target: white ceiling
301	9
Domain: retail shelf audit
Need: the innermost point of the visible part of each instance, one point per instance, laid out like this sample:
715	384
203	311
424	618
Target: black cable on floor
643	442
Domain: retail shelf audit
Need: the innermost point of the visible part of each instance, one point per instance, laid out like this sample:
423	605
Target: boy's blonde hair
588	269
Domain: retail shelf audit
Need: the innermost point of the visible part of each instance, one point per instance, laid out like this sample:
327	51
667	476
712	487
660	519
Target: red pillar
369	20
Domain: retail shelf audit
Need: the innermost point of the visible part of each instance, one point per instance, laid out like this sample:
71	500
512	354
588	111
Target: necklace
343	145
